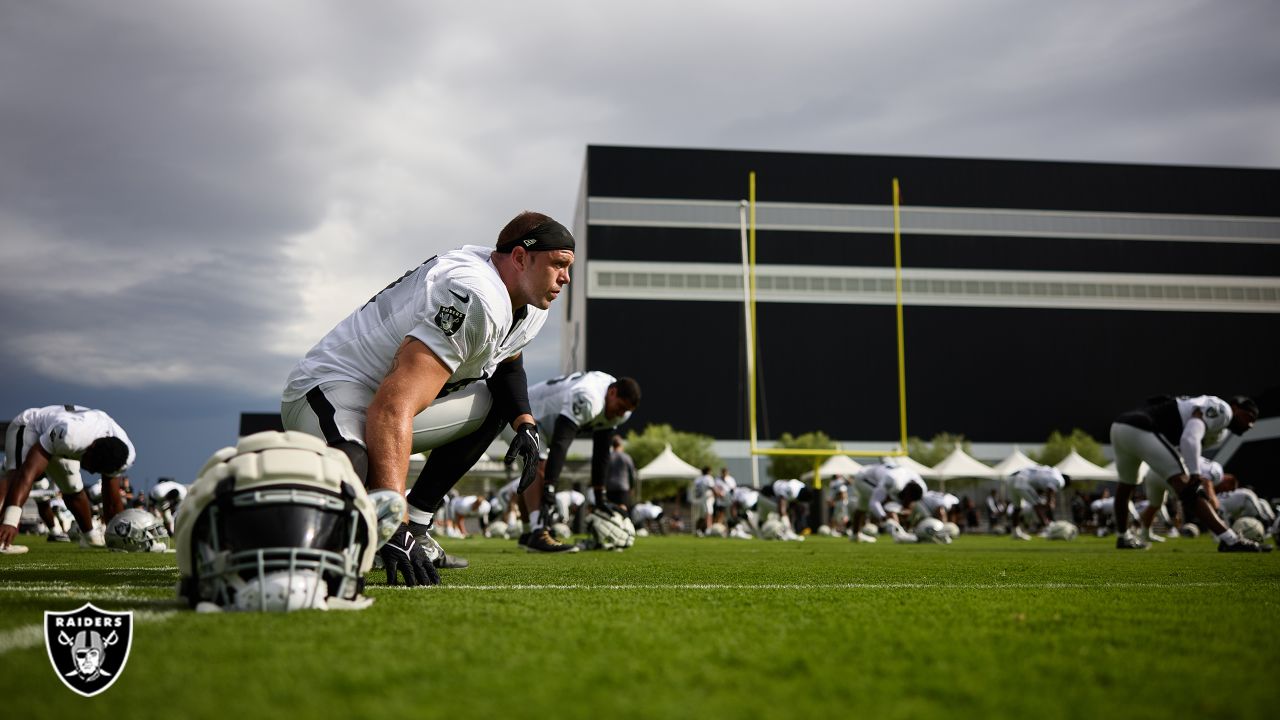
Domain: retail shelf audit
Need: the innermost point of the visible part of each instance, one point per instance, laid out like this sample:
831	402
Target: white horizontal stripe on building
853	285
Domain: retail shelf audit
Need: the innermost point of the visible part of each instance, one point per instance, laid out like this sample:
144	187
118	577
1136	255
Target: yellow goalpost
747	223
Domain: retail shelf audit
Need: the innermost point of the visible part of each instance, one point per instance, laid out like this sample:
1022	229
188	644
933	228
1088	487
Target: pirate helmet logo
88	647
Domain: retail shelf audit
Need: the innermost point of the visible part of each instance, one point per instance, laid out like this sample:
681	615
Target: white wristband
12	516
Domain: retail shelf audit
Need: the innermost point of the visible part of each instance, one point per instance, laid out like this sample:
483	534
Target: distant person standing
621	475
702	499
57	441
1168	433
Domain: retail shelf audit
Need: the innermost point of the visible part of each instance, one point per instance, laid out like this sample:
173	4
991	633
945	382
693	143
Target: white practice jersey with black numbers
455	303
66	431
579	397
1039	478
1214	411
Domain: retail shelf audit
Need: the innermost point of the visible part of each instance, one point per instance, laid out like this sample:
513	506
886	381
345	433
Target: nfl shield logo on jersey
88	647
449	320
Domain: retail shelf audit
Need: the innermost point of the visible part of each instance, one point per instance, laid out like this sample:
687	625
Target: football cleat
1243	545
1129	542
1020	534
93	539
541	541
14	549
58	537
524	539
864	538
1150	537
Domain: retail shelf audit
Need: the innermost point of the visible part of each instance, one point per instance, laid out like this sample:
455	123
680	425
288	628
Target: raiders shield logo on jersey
88	647
449	320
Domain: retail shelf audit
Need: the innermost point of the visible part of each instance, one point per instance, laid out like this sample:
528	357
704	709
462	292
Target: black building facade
1037	295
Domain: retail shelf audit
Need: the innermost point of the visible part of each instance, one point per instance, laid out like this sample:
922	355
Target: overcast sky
193	193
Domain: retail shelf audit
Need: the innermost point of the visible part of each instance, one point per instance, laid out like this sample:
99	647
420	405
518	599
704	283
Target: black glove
525	446
402	555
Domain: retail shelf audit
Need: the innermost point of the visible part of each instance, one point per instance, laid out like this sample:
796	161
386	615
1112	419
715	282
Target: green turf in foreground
683	627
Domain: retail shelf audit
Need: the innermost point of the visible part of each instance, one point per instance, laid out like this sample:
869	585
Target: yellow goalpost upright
747	223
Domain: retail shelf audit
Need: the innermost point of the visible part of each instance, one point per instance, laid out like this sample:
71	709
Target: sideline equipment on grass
1061	530
610	531
136	530
279	522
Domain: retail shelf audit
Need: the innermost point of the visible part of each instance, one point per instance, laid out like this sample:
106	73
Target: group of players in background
433	363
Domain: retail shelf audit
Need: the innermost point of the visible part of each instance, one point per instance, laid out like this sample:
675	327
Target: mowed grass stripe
827	586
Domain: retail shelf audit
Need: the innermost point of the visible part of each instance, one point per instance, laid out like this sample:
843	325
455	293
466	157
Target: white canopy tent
835	465
960	464
905	461
668	466
1080	469
1016	461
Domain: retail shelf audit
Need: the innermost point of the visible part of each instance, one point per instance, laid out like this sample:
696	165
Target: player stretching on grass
1038	485
590	403
1168	434
403	374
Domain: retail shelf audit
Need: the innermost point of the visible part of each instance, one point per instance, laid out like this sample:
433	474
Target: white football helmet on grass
136	530
279	522
933	529
1250	528
611	531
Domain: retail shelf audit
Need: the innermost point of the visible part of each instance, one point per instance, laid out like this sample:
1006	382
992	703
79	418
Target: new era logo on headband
529	241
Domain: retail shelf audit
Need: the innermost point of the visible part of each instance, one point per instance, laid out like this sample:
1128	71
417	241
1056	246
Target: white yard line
831	586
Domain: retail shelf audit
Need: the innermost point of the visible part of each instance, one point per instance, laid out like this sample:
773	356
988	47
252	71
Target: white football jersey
66	431
160	491
702	487
932	500
745	496
1039	478
506	494
1211	470
787	489
645	511
455	303
579	397
1214	411
465	506
1243	502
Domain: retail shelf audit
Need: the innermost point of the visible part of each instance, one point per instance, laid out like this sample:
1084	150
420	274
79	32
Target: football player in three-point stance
57	441
583	403
433	362
1168	433
1038	485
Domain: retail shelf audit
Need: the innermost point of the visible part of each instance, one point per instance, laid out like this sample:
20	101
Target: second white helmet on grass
933	529
136	530
1250	528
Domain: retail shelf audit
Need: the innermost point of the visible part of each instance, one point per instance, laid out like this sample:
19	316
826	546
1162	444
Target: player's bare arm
414	380
36	462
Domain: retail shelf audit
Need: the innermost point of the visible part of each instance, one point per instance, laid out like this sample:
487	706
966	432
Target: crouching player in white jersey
777	495
57	441
1168	434
1038	486
433	362
882	483
584	403
1243	502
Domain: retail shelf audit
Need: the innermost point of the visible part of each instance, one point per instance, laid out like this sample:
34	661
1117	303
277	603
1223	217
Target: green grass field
683	627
